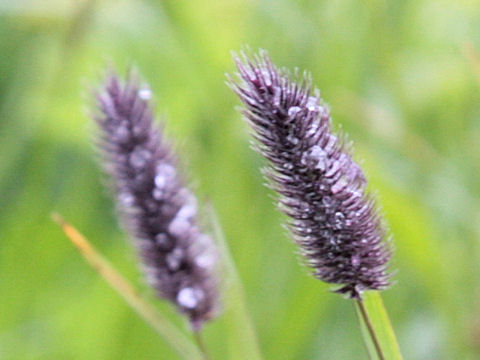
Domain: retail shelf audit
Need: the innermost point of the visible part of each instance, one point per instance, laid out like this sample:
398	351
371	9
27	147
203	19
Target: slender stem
166	329
201	344
370	328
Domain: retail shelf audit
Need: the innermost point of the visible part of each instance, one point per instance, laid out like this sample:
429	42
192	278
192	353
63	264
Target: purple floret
157	209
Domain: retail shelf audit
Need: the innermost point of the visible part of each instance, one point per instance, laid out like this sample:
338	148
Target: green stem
201	344
371	330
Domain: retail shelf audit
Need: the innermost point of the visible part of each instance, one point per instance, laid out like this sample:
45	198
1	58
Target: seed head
157	209
332	218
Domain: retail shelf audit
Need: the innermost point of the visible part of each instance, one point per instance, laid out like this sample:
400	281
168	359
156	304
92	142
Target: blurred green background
402	78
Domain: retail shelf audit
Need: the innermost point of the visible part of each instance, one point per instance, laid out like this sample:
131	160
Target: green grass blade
244	342
380	322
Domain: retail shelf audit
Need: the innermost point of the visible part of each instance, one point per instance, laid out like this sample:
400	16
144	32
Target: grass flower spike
322	190
157	208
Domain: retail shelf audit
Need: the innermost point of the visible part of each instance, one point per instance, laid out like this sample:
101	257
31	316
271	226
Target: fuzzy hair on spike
157	209
321	188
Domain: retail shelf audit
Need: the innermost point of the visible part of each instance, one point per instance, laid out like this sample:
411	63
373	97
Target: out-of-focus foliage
402	78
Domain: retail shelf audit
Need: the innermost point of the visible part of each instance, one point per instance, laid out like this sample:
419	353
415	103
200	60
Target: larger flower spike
332	217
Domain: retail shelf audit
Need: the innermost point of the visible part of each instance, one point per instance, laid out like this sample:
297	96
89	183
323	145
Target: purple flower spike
322	190
158	210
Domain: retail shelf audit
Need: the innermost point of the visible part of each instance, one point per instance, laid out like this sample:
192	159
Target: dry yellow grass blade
473	58
148	312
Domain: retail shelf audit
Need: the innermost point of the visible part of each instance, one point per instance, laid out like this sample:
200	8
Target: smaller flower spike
322	190
158	210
